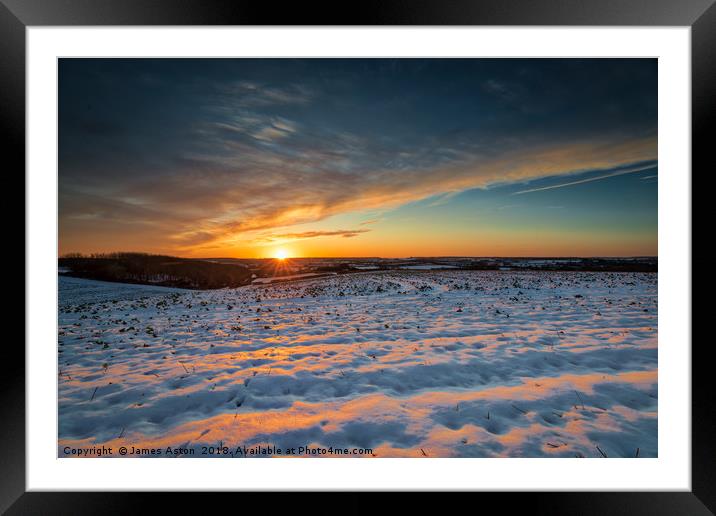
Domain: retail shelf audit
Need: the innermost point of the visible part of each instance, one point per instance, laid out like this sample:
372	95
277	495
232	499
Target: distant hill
149	269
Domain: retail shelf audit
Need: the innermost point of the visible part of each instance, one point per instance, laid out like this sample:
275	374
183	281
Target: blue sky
359	157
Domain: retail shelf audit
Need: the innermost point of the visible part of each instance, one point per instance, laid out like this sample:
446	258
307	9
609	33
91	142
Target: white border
671	471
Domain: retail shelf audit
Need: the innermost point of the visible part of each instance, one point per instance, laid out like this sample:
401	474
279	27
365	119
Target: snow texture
406	363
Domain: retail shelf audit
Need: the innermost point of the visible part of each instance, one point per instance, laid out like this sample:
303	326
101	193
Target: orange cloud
312	197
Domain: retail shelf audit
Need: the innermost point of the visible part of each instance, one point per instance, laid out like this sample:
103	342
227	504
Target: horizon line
482	257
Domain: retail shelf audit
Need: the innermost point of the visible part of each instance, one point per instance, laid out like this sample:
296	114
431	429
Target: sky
358	157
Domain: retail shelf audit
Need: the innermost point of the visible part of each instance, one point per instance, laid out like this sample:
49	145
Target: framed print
448	248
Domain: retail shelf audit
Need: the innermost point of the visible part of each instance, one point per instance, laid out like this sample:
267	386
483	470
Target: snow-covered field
77	291
405	363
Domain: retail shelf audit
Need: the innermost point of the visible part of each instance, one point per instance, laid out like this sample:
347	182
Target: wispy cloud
275	131
443	199
344	233
254	94
587	180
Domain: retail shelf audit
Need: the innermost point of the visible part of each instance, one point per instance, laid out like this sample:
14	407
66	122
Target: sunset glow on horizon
392	158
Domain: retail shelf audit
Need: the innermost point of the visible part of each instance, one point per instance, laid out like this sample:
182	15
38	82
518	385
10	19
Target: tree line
152	269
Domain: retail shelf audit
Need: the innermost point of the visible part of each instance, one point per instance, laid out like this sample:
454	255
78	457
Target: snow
274	279
427	267
76	291
406	363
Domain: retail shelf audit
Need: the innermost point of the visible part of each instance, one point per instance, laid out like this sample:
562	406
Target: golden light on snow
296	357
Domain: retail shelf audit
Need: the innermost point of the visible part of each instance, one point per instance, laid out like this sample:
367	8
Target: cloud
292	194
250	94
499	89
589	179
443	199
270	133
345	233
224	198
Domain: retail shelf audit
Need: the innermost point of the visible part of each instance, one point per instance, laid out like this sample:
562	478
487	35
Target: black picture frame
17	15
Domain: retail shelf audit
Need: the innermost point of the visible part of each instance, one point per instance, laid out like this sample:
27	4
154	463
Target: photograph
360	258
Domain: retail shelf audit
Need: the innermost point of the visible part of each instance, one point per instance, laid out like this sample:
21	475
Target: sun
281	254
